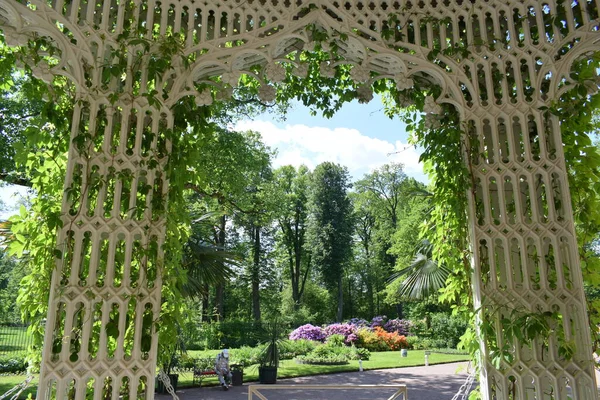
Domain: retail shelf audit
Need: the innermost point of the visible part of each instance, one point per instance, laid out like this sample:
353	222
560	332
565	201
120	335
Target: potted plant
169	368
269	358
171	362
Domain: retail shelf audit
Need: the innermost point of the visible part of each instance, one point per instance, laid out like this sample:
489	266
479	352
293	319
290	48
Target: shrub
412	342
13	365
347	331
360	354
185	362
308	332
359	322
418	328
329	360
245	355
335	340
379	320
446	330
393	340
334	352
292	348
326	350
369	340
401	326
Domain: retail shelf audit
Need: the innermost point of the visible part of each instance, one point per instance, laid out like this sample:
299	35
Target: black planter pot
160	387
267	375
237	377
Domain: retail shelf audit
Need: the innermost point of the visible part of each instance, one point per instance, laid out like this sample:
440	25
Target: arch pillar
105	299
526	262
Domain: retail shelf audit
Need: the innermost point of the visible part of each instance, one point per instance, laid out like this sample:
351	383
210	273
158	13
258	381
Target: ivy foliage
577	111
326	85
42	164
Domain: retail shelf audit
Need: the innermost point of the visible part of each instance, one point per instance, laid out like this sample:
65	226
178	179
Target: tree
388	187
384	195
257	217
367	265
230	178
388	184
331	226
291	190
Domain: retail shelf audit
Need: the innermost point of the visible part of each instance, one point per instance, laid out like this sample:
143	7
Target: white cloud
301	144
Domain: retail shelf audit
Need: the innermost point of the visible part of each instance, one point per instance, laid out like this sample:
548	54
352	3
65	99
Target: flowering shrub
358	322
393	340
348	331
380	340
309	332
378	321
367	339
380	334
401	326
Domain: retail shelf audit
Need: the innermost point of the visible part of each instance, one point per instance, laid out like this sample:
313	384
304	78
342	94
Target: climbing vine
320	79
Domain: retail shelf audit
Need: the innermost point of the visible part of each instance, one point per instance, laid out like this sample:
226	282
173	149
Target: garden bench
203	367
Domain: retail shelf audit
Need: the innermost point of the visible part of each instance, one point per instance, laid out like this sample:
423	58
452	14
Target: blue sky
358	136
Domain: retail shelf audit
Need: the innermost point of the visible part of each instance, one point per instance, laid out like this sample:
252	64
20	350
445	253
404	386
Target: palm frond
206	265
424	276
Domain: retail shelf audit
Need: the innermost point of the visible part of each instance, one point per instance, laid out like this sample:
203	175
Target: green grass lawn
288	368
8	382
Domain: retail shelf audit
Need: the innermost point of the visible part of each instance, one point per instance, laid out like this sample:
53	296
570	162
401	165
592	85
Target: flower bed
320	361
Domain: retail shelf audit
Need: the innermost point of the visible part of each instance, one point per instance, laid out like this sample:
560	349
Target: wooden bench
205	367
202	368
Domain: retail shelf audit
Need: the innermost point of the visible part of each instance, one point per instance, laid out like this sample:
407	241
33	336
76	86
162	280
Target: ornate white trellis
520	55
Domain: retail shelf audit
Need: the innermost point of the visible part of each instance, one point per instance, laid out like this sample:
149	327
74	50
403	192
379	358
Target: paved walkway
436	382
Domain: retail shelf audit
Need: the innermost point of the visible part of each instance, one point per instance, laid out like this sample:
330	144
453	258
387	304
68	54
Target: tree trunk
370	295
220	288
255	274
219	295
400	310
205	311
340	307
350	304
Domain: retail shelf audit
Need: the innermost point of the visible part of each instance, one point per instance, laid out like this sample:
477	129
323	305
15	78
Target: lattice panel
100	339
527	252
498	62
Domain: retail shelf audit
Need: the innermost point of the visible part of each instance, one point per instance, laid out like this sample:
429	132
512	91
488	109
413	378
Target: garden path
436	382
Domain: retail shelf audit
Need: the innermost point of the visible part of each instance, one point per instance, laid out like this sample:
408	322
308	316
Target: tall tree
257	216
228	178
365	220
385	193
331	226
291	191
388	185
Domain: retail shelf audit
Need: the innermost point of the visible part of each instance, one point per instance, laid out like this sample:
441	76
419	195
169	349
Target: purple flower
309	332
346	330
359	322
402	326
378	321
351	338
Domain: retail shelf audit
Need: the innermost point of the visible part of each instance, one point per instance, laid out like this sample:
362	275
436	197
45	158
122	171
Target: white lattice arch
517	58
